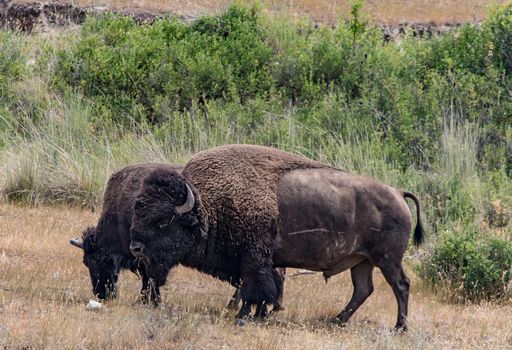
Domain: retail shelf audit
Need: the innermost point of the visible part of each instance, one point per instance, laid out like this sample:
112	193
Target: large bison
237	211
106	246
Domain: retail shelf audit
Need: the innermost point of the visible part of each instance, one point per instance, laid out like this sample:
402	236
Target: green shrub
403	92
448	200
437	109
168	65
12	61
500	25
470	266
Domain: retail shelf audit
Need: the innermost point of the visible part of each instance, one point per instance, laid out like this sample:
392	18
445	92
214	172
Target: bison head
165	224
103	266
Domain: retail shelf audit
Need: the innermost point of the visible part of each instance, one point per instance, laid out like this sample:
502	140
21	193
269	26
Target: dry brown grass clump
44	289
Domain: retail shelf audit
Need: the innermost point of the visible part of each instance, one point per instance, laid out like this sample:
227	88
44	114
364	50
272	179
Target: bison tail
419	232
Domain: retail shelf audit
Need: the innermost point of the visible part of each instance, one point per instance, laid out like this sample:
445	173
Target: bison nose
137	248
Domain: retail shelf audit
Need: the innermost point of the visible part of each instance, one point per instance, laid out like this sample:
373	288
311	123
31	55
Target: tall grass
64	160
84	103
459	148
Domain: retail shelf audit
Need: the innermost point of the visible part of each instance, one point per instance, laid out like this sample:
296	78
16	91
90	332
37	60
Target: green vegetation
430	115
470	265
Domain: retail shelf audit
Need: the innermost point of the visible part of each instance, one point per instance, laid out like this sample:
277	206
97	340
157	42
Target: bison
238	211
106	246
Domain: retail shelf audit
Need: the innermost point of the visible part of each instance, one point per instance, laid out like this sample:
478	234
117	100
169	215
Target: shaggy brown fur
233	222
107	246
238	186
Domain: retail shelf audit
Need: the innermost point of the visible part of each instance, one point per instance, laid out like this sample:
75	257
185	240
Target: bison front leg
235	300
363	287
150	291
279	274
258	288
261	310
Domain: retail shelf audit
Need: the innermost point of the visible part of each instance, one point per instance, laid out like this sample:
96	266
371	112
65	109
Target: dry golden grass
383	11
44	289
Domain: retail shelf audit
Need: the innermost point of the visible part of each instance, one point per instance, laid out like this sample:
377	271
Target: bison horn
76	243
189	204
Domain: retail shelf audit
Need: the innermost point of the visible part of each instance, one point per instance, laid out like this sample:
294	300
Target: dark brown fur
107	245
233	229
214	238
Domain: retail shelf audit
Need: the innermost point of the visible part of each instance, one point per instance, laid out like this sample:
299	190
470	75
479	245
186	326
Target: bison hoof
277	308
338	322
240	322
400	329
144	300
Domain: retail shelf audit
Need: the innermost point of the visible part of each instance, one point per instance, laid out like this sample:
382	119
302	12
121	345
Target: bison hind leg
396	278
362	280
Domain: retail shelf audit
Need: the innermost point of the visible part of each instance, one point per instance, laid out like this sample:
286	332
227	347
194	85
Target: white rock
93	305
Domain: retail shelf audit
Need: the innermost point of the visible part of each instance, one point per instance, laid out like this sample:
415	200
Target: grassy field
388	11
431	116
44	289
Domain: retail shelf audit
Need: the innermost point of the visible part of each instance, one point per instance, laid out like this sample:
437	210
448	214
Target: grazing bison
238	211
107	246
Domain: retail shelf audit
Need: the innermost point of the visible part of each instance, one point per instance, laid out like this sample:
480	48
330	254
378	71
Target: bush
470	266
169	65
403	92
448	200
500	25
340	95
12	61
